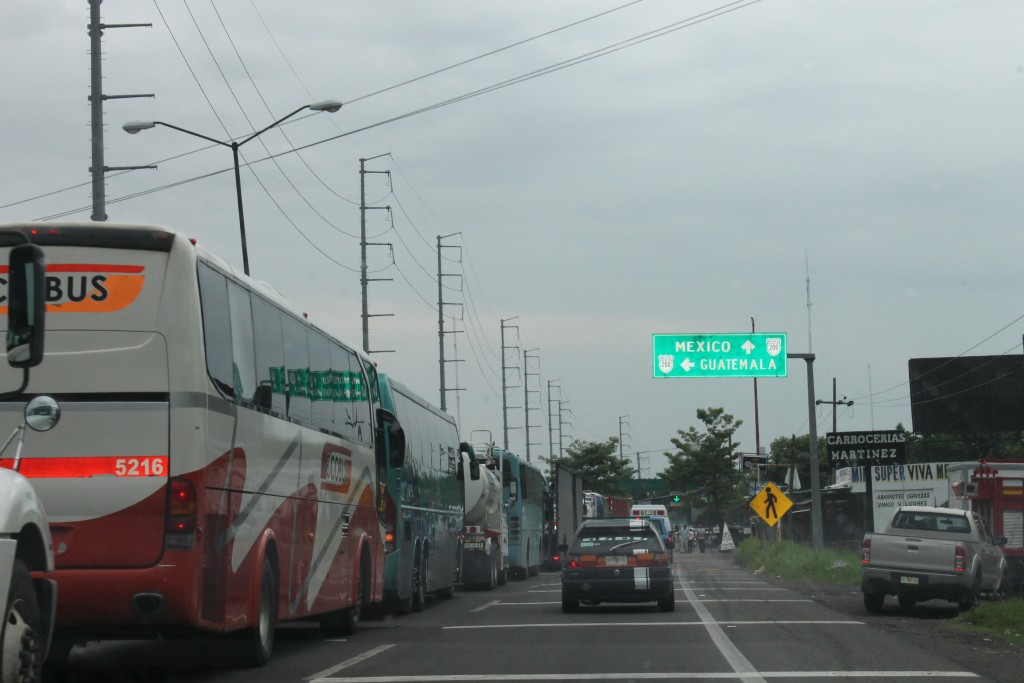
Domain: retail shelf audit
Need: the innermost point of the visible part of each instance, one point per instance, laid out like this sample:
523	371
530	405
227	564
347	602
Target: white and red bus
218	464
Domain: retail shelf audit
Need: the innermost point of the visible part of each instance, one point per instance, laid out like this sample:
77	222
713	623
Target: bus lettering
336	470
75	288
154	466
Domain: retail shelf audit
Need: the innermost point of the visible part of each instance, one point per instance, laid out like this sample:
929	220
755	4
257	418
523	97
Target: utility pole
504	381
363	279
526	396
757	421
440	316
552	384
562	410
622	419
834	403
96	99
817	530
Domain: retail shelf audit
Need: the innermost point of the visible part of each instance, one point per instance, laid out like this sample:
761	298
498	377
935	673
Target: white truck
931	552
484	554
25	543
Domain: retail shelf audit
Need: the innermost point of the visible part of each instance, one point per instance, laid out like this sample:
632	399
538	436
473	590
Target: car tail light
180	522
573	562
959	558
659	560
865	551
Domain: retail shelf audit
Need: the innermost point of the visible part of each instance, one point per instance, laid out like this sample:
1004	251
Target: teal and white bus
525	490
422	503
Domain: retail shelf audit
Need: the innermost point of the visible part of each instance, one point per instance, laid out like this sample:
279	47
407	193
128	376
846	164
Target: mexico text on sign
720	355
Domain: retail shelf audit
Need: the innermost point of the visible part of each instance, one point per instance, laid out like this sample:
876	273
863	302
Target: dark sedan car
617	560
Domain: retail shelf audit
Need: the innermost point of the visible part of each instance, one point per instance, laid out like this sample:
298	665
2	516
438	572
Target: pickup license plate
910	580
615	561
474	545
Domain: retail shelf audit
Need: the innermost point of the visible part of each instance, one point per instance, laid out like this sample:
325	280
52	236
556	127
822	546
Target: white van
658	514
646	510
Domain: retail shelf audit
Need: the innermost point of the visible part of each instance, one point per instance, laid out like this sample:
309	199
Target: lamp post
329	106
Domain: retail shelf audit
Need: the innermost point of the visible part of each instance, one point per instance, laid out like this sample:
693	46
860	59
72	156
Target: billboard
967	394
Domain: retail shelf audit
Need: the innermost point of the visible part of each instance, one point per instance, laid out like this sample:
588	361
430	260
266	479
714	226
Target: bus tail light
390	520
180	523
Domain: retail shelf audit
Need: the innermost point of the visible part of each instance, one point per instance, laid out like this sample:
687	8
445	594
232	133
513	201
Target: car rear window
626	541
913	520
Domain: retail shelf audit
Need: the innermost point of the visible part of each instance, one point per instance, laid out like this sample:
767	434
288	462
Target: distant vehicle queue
224	464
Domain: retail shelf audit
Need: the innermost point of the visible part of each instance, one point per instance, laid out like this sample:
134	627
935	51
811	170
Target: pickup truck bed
927	553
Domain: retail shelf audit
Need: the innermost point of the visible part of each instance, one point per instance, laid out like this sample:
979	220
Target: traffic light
676	498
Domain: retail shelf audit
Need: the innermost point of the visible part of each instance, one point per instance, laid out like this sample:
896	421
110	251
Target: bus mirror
390	439
474	464
26	306
396	439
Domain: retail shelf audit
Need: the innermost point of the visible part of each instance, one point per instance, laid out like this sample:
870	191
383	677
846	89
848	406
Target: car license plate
474	545
910	580
615	561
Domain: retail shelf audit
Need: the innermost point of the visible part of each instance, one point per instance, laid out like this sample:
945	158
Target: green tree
597	462
706	462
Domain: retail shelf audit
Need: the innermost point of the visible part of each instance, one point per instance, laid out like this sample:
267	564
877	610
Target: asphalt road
729	625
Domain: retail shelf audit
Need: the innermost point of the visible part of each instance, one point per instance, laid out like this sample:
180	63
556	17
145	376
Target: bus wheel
346	621
258	642
419	580
22	639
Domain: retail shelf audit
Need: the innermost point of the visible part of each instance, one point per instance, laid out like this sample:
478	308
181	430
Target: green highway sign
753	354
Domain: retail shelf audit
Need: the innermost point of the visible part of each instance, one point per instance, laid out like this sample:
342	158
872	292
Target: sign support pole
812	422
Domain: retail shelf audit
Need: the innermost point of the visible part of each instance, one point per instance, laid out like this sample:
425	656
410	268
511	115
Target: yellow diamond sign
770	504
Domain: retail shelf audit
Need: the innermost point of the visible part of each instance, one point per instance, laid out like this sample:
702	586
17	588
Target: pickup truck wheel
22	638
873	602
968	598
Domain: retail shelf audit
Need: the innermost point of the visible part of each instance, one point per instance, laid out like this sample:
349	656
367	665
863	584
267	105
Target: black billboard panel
967	394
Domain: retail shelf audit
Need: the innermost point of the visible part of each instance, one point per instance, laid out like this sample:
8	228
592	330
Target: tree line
705	468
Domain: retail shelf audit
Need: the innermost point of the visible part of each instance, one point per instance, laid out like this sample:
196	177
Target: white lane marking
484	606
739	663
651	676
502	603
656	624
322	675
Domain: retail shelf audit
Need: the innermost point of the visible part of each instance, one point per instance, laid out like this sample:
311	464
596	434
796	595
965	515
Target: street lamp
329	106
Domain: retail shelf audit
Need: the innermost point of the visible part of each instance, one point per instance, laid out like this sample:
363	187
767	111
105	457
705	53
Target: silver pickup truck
929	552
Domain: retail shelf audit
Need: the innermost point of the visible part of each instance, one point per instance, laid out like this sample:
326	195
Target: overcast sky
846	172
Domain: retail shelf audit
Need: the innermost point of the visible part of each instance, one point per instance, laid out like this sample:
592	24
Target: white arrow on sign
687	364
748	346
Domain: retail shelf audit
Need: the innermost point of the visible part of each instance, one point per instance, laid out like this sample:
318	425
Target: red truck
618	506
995	490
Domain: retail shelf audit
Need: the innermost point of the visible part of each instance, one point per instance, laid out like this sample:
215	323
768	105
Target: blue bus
525	491
422	503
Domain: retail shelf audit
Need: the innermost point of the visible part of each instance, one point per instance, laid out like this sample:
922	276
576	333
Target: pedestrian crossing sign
770	504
